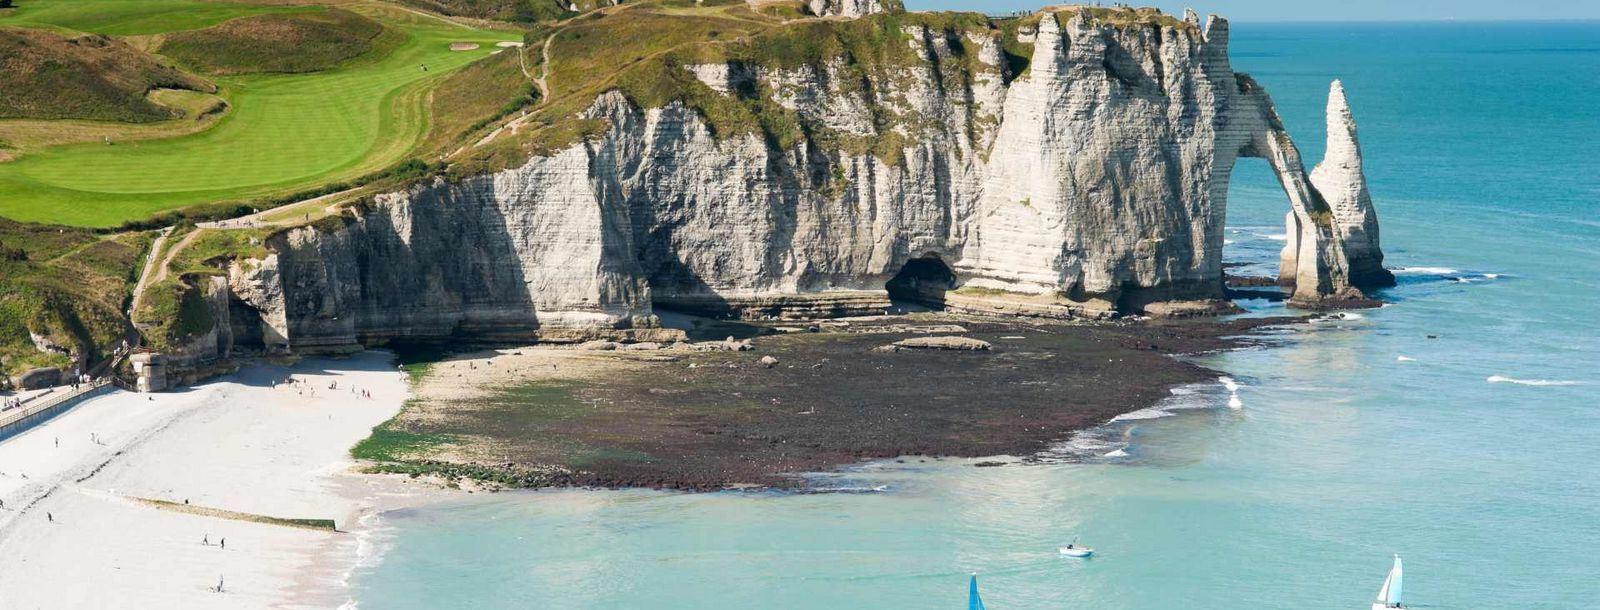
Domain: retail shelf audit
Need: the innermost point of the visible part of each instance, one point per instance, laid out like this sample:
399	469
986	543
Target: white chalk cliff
851	8
1089	179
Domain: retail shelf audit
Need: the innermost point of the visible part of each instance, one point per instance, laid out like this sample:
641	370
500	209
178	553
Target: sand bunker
463	46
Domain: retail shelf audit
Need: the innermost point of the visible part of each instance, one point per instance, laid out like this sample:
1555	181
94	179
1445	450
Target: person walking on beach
205	540
219	584
49	517
224	543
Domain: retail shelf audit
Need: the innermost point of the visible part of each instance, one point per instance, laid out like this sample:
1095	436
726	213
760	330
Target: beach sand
236	444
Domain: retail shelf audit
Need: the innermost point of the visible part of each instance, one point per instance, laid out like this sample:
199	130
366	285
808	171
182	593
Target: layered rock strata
1341	179
1090	180
852	8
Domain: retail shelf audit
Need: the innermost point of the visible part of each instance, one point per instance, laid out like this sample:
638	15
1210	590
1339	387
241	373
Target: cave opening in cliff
922	280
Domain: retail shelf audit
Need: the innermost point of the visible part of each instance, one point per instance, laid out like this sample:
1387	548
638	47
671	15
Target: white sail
1389	595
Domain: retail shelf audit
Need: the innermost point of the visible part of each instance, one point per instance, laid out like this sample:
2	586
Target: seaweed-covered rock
943	343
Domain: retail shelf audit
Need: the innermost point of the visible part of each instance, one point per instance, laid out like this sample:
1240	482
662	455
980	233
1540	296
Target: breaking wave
1445	273
1233	392
1534	382
1424	271
1114	438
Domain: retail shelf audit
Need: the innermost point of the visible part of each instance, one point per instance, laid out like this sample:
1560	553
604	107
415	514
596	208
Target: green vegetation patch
211	249
287	43
284	134
173	312
646	52
524	421
392	441
47	76
66	285
482	93
522	11
1125	16
132	17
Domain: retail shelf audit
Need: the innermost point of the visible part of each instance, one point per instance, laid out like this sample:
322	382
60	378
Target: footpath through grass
285	132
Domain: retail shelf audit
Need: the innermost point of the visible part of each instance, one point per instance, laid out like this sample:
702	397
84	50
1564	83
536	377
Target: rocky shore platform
768	402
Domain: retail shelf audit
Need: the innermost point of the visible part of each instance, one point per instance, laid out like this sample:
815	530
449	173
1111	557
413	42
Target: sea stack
1340	179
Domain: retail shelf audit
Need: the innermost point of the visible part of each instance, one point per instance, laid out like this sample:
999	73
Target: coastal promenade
19	420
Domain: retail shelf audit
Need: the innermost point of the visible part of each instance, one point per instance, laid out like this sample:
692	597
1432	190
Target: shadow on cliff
452	268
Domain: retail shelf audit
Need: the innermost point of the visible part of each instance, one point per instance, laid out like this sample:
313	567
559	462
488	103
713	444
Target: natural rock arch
1331	251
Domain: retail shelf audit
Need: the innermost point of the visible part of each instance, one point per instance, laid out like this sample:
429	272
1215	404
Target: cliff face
851	8
1088	180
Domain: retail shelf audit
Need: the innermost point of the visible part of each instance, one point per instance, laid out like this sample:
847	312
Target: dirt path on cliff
145	272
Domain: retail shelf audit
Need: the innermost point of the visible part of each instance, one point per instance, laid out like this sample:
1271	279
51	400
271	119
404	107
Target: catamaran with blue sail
1389	595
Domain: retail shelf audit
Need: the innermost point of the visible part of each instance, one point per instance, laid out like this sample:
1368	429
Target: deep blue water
1473	453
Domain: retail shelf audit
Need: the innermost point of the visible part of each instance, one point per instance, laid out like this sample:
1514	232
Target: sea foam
1424	271
1534	382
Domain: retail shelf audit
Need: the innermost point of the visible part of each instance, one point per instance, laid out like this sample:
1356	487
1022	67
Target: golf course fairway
133	17
284	132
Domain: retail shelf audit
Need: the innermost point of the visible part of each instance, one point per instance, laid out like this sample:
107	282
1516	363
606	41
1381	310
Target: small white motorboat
1073	550
1389	595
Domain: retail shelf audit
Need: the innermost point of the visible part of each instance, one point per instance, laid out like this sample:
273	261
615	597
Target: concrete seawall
20	420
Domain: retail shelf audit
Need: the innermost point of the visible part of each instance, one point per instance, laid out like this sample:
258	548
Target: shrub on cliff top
91	77
292	42
520	11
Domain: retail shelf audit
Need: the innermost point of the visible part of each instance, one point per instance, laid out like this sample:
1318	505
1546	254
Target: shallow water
1472	453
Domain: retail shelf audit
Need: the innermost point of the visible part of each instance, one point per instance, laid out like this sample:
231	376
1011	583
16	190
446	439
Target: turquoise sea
1459	427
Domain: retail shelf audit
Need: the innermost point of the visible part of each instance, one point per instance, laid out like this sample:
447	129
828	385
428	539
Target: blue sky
1325	10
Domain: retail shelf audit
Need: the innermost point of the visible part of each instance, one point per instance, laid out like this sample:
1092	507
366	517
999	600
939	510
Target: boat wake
1532	382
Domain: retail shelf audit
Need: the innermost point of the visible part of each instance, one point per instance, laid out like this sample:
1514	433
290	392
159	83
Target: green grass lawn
131	17
285	132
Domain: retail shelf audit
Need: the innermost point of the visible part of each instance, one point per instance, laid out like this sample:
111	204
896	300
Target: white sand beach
76	533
